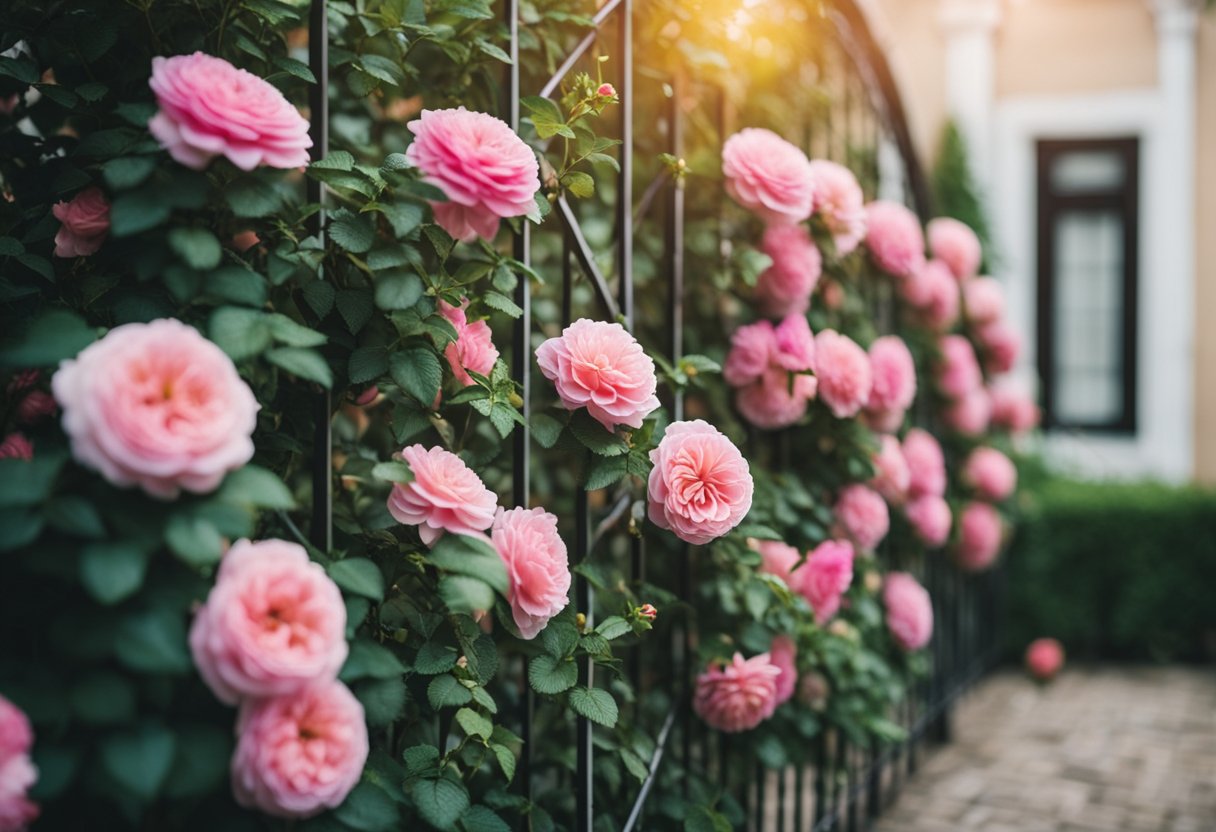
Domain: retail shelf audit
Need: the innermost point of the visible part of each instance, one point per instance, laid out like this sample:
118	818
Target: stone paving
1114	749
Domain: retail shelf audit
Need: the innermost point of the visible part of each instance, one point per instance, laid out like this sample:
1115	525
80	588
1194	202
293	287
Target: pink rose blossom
785	287
159	406
861	514
84	223
737	696
16	446
35	406
980	533
839	201
473	348
242	241
894	385
17	772
273	624
1044	658
894	239
955	244
1013	408
445	495
783	654
1001	344
766	174
891	477
933	292
825	577
930	518
759	364
909	611
210	108
606	91
600	366
794	344
770	403
957	368
844	374
537	568
16	735
301	754
971	414
700	487
751	350
778	559
990	473
983	300
926	464
486	171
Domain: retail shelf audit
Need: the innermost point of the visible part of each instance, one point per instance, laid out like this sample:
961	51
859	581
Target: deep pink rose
957	368
210	108
1013	408
766	174
894	375
537	567
861	514
1001	344
891	474
844	374
700	487
445	495
838	200
35	406
1044	658
273	624
825	577
785	287
606	91
159	406
990	473
17	772
934	293
473	348
894	238
16	446
955	244
779	559
600	366
980	533
983	300
298	755
909	611
774	402
930	518
486	171
737	696
971	414
783	654
926	464
84	223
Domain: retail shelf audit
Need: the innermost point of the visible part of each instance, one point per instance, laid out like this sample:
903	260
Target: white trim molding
969	27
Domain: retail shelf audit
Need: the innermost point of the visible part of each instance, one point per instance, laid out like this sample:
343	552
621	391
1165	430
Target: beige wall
909	31
1205	255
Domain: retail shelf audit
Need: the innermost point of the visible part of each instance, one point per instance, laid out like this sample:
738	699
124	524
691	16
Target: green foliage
957	194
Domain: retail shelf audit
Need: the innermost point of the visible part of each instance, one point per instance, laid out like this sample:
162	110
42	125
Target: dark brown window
1087	251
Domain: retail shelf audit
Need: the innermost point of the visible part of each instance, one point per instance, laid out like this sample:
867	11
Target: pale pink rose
983	300
990	473
301	754
16	446
930	518
957	369
861	515
486	171
774	402
980	533
970	415
759	364
769	176
892	477
751	353
894	375
838	200
844	374
794	344
894	238
933	292
700	487
737	696
35	406
159	406
785	287
955	244
17	772
537	568
1044	658
926	464
273	624
444	496
1001	344
784	654
778	559
600	366
473	348
1013	408
16	734
84	223
814	690
825	577
909	611
884	421
210	108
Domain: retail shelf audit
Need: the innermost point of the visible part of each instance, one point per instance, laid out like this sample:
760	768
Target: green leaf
47	340
594	704
502	303
139	760
474	724
594	437
252	197
634	764
76	516
393	472
200	765
578	183
195	540
613	627
559	638
306	364
506	759
198	247
367	363
138	211
441	802
434	657
103	698
404	217
336	160
354	232
355	307
421	759
705	819
493	51
418	372
483	819
126	172
153	641
360	576
256	486
112	571
606	470
445	691
241	333
464	555
464	594
292	334
368	659
482	697
397	290
369	809
546	429
19	527
549	675
297	68
383	700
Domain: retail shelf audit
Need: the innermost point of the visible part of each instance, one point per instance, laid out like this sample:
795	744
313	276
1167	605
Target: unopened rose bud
23	381
873	582
648	612
606	91
16	446
580	621
516	400
367	396
242	241
37	405
841	629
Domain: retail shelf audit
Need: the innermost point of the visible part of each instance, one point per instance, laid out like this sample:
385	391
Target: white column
969	26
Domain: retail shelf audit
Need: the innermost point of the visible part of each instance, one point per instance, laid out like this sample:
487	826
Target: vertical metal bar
584	771
624	199
821	782
675	240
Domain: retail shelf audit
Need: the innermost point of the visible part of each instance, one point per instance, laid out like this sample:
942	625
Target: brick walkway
1101	750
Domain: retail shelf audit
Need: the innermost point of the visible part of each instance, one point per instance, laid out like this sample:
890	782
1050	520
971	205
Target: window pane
1085	171
1088	324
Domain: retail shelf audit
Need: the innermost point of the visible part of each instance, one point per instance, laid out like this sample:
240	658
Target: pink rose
933	292
891	477
159	406
930	518
766	174
909	611
17	772
273	624
485	170
301	754
35	406
894	239
894	375
16	446
957	368
838	200
825	577
751	349
1001	344
785	287
1013	407
473	348
737	696
600	366
778	559
84	223
794	344
783	655
606	91
955	244
16	735
980	532
861	514
537	568
773	402
991	474
700	487
1044	658
971	414
445	495
983	300
210	108
242	241
759	364
926	464
844	374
